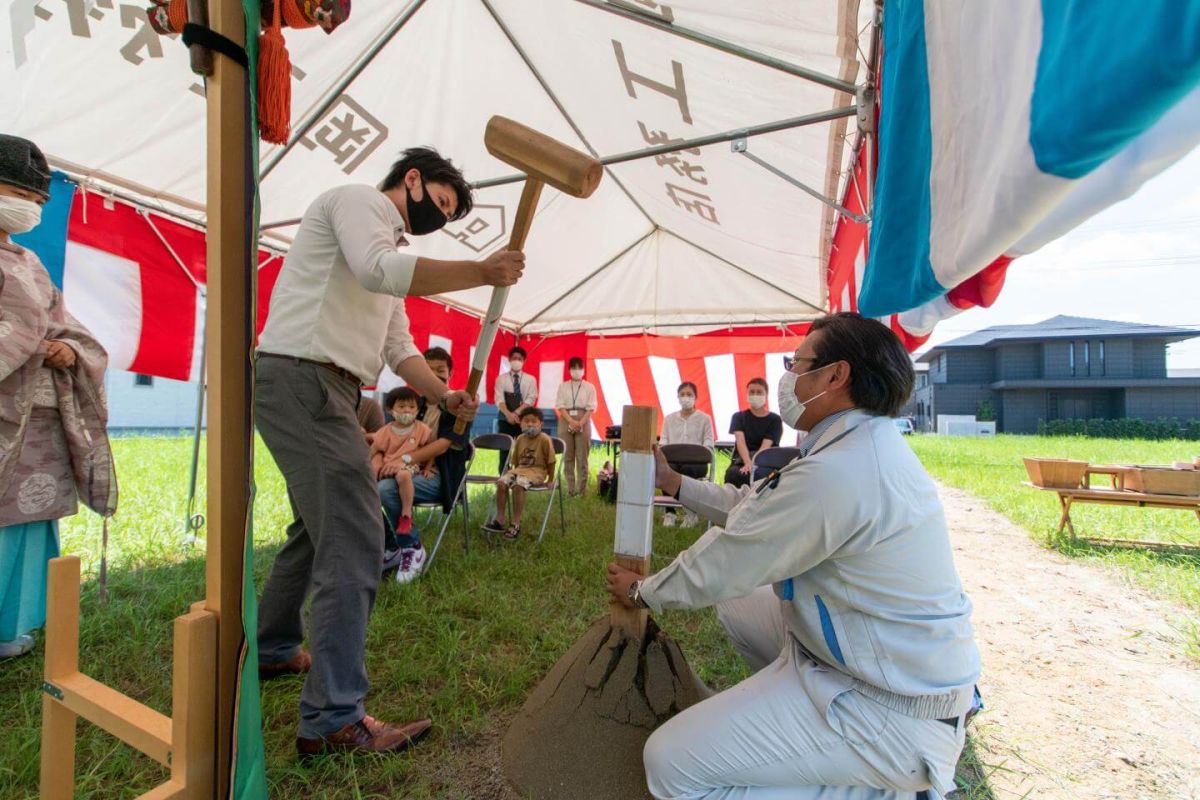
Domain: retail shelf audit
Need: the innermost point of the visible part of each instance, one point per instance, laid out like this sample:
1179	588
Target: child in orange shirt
391	457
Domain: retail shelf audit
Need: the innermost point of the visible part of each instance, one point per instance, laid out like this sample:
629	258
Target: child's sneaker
392	558
512	533
412	561
404	527
669	519
494	526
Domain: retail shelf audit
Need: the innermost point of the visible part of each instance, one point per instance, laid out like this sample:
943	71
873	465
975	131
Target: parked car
904	425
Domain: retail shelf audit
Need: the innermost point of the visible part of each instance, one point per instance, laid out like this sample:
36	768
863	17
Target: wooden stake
635	507
228	329
62	659
193	712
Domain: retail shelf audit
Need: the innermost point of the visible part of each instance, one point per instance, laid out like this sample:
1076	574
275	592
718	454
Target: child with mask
393	465
532	465
754	428
574	406
687	426
515	391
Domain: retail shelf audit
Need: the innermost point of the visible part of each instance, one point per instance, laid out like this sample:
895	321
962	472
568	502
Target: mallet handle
487	334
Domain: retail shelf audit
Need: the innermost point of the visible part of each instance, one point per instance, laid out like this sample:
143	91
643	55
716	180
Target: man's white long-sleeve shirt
854	540
339	295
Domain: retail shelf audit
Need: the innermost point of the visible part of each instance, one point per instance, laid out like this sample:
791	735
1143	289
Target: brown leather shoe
296	665
368	735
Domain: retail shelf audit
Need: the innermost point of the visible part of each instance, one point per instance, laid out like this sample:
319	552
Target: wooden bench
1117	495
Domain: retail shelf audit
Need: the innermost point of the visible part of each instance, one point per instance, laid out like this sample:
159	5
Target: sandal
512	533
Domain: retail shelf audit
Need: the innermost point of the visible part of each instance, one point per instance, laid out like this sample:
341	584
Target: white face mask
790	408
757	401
515	366
577	374
19	216
531	431
406	419
687	402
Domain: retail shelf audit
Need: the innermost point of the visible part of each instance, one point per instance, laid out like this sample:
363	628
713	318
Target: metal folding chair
560	447
771	458
499	442
459	494
688	454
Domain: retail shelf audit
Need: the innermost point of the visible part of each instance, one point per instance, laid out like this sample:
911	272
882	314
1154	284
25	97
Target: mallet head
538	156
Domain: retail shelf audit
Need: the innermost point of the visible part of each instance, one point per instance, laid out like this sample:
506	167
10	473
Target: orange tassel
274	82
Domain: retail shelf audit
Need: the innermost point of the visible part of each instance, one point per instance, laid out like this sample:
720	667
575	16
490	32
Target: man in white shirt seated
336	315
835	580
687	426
514	391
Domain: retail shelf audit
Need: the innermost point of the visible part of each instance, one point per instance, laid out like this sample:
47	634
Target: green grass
993	470
464	646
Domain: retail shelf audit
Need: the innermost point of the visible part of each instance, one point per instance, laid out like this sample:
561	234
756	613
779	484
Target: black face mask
424	216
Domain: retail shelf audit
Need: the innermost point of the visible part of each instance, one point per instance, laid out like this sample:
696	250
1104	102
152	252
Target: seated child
531	464
391	458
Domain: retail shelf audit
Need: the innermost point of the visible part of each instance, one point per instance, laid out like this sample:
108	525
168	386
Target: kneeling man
835	580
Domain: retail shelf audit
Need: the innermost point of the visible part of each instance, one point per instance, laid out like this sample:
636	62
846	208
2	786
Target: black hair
758	382
532	412
688	385
400	393
433	169
440	354
881	371
575	362
518	351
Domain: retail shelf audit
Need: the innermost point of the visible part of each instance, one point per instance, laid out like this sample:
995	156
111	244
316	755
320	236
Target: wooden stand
635	508
183	742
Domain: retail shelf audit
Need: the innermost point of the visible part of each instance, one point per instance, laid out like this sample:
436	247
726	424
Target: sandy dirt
1088	692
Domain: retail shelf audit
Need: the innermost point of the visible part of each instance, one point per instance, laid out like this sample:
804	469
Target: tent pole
661	24
192	523
702	141
771	168
228	343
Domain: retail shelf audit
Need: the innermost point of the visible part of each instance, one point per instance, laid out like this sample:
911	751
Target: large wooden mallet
543	160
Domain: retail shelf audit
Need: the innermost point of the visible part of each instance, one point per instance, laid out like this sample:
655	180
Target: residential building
1061	368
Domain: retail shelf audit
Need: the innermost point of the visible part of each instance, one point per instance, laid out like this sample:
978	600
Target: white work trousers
794	730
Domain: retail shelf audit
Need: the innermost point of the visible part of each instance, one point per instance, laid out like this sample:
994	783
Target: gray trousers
575	458
794	730
334	548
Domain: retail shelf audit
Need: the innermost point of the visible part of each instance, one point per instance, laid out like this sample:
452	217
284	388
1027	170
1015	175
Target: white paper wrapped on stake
635	498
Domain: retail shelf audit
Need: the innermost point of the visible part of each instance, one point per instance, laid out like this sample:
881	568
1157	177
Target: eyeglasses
789	361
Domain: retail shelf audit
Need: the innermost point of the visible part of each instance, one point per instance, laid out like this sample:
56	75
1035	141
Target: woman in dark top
754	429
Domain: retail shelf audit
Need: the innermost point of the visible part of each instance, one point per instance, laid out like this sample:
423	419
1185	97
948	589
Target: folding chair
459	494
771	458
499	442
687	454
560	447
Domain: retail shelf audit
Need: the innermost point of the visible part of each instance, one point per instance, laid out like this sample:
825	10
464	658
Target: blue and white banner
1003	125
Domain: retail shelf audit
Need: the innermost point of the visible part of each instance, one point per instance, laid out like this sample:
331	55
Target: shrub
1158	429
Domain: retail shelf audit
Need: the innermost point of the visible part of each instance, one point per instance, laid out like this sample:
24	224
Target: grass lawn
464	646
993	470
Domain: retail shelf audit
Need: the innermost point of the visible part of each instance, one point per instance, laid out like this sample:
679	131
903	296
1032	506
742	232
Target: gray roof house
1061	368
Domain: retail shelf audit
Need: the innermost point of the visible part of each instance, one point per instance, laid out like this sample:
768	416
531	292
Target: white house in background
146	402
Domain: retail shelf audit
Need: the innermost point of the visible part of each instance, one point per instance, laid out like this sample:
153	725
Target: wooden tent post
228	326
635	507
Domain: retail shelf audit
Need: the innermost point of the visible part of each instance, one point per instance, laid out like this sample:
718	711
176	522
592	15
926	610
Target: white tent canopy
673	244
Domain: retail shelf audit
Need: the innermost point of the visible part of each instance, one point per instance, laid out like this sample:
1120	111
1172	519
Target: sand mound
581	732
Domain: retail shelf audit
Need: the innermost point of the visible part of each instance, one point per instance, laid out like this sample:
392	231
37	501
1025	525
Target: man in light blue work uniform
834	578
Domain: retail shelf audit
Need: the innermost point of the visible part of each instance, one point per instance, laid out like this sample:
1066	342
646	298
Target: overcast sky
1138	261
